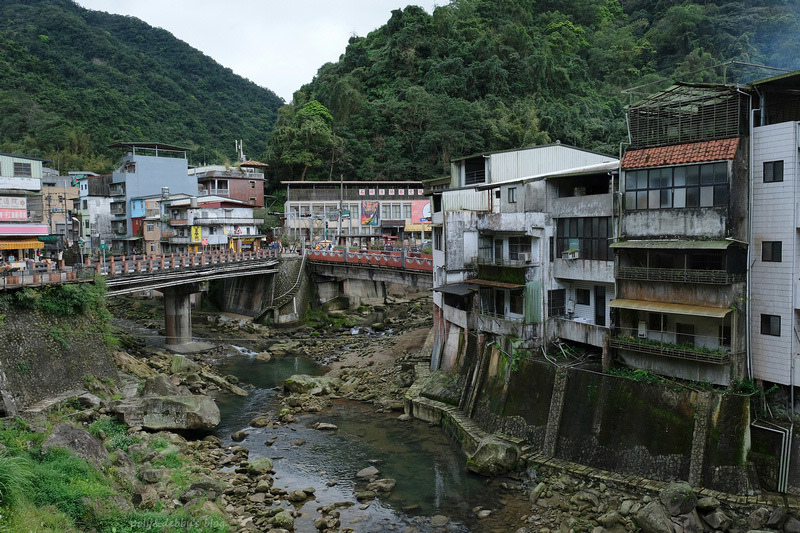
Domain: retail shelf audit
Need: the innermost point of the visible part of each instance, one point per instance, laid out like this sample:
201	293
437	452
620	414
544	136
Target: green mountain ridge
484	75
73	81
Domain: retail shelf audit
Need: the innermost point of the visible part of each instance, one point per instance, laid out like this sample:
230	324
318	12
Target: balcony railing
517	319
211	221
117	211
215	192
676	275
516	263
179	222
180	240
165	235
667	349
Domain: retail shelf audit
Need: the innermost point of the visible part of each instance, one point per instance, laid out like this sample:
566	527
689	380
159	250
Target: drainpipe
750	240
786	452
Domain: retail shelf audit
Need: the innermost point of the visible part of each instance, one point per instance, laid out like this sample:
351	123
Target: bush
16	477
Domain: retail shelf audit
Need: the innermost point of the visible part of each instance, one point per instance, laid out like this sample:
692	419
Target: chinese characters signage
13	208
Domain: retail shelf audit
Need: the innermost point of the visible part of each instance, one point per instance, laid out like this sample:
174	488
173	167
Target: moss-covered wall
43	355
623	425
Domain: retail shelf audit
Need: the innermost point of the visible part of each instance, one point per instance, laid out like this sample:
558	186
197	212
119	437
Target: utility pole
341	197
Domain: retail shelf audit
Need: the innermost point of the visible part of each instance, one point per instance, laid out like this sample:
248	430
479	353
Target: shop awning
49	238
457	289
21	244
418	227
674	245
675	309
499	284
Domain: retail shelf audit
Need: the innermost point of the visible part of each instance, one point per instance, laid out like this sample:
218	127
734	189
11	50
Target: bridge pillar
178	314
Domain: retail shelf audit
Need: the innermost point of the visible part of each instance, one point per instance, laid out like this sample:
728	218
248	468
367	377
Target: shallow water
429	468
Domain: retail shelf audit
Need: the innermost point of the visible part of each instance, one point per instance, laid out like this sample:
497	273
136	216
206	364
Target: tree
302	139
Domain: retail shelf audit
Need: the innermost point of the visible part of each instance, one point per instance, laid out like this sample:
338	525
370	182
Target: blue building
146	169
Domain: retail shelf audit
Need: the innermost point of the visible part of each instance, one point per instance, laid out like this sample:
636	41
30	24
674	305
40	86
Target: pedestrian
60	260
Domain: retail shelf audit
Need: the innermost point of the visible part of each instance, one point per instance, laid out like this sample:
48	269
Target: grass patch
116	433
146	522
170	460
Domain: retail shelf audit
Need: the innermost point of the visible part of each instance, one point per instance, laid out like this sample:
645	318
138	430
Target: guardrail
46	273
400	260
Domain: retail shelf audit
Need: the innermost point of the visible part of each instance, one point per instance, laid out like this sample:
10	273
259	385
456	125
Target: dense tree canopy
72	81
481	75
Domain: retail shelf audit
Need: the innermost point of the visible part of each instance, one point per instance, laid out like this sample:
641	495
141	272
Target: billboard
370	210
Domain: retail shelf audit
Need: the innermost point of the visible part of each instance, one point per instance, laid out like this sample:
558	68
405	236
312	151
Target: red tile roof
677	154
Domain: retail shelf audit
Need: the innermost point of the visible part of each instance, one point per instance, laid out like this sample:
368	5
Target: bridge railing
136	264
388	259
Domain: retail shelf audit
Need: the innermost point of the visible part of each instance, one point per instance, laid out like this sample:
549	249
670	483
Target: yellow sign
197	234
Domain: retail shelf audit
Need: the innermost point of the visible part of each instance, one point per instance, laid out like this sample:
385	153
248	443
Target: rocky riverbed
370	362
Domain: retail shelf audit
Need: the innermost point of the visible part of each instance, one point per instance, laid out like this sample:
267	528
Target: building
355	213
706	284
244	182
496	230
145	170
194	224
92	209
22	217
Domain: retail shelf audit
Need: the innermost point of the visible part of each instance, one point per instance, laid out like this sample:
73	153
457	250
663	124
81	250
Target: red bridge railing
400	260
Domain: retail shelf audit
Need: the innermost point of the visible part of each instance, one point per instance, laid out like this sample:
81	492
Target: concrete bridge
406	268
177	276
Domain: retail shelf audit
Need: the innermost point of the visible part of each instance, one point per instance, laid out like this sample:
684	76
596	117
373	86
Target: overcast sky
277	44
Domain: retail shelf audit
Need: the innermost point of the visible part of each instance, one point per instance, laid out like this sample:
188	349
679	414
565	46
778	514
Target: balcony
166	235
215	192
222	221
117	189
179	222
522	262
118	211
676	275
500	324
180	240
668	349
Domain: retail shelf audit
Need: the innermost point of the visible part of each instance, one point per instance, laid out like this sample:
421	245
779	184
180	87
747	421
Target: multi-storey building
495	235
244	182
92	209
193	224
706	284
22	218
773	300
145	170
356	212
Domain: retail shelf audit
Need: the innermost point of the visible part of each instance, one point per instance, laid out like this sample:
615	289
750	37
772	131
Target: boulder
183	365
758	518
493	457
776	518
259	466
678	498
159	385
382	485
78	441
792	525
169	412
239	436
283	520
718	520
324	426
315	385
368	472
653	518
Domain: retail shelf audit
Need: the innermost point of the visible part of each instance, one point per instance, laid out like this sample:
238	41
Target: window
407	211
252	200
591	235
684	334
517	246
771	325
437	238
86	224
512	195
515	301
677	187
773	171
396	211
552	249
582	296
22	169
656	321
152	247
151	226
84	204
771	251
386	211
725	336
252	184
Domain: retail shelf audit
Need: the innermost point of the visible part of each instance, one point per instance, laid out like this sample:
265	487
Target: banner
369	213
197	234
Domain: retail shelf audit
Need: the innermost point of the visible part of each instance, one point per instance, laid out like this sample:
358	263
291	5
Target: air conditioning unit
641	331
571	254
570	308
524	257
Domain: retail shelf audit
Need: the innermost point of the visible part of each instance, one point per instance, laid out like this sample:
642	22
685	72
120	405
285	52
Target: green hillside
73	81
481	75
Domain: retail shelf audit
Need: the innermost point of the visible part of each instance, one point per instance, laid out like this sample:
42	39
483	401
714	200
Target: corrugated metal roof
674	245
677	154
675	309
458	289
597	168
488	283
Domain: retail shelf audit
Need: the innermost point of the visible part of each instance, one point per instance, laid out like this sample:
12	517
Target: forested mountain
481	75
73	81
